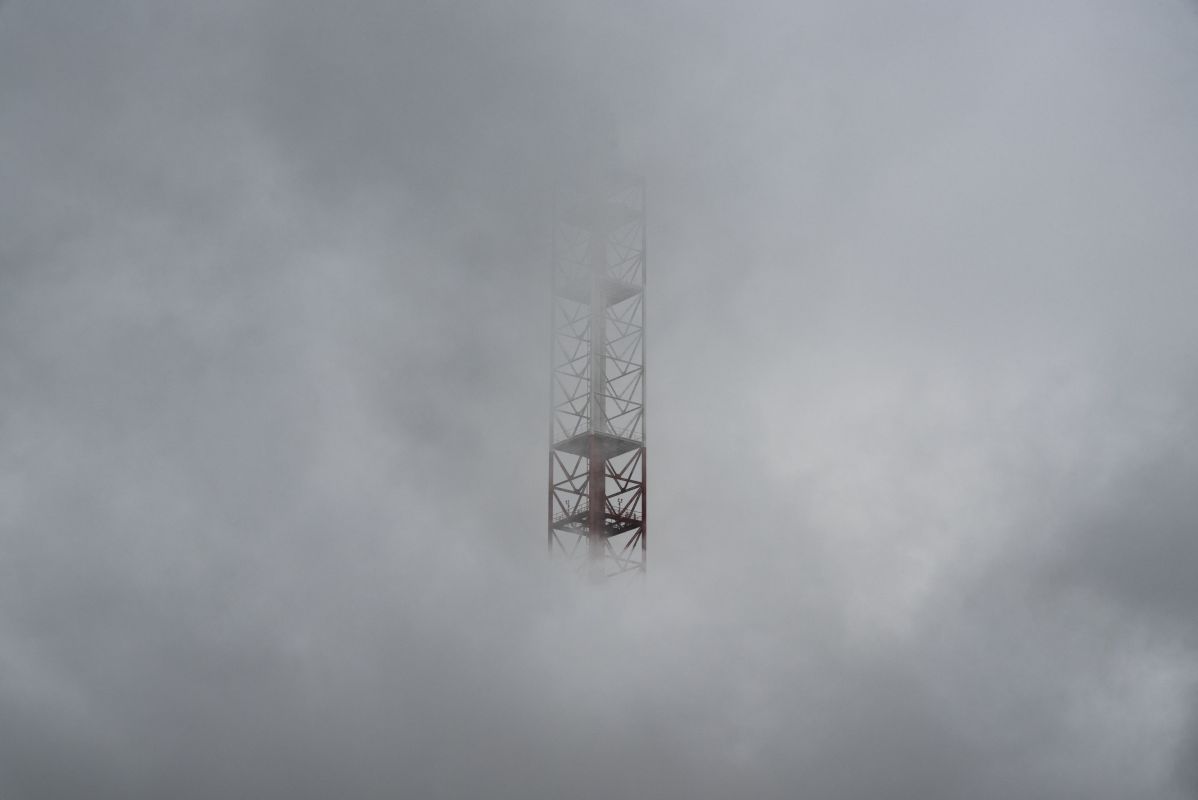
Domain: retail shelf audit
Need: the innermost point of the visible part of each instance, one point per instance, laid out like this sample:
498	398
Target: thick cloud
923	365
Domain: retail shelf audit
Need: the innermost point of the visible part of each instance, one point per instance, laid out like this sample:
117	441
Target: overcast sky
922	405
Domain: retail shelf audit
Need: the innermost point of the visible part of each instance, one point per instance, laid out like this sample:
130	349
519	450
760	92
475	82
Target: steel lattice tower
597	461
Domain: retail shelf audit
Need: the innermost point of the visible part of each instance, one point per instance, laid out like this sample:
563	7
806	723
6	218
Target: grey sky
923	380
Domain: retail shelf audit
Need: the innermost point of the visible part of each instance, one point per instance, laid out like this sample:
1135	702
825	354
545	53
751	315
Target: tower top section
597	459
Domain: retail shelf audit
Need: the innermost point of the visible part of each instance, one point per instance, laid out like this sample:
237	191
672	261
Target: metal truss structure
597	461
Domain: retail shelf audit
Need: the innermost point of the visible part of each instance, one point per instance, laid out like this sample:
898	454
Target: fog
922	392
